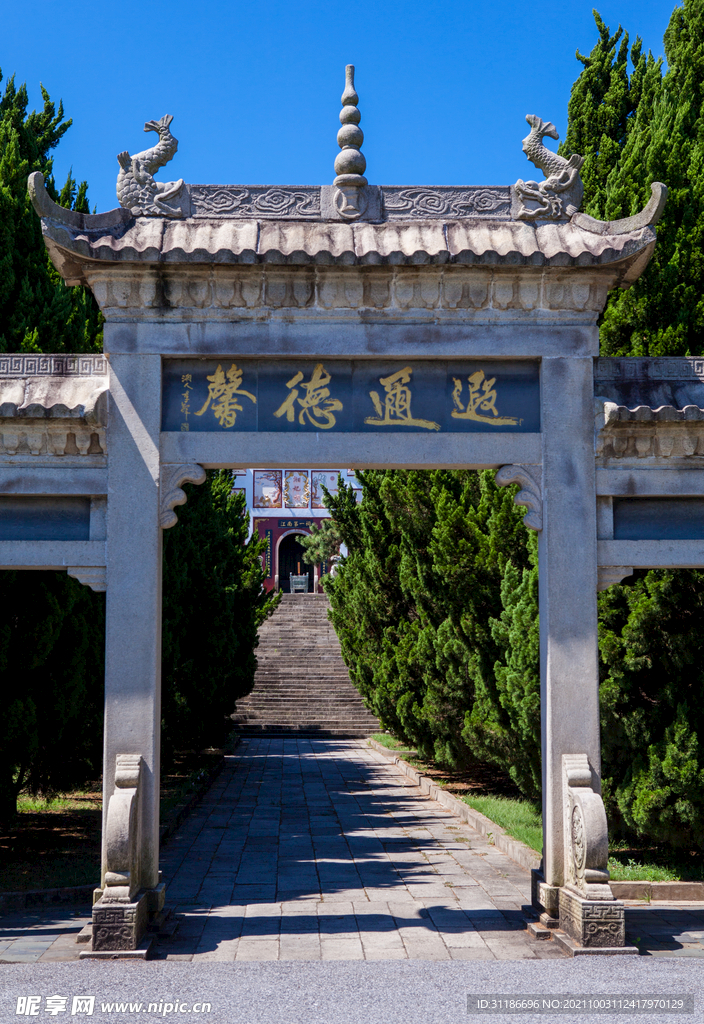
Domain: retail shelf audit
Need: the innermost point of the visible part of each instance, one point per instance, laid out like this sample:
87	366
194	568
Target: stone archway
348	325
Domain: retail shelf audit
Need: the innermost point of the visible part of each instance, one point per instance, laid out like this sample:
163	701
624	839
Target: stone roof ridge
392	203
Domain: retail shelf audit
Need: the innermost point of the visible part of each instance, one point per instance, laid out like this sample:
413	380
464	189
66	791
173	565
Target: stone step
302	685
253	715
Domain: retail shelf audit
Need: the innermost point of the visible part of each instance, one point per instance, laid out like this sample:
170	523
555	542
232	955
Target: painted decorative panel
267	488
322	478
296	488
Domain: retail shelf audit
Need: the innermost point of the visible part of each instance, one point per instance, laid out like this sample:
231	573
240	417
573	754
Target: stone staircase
302	685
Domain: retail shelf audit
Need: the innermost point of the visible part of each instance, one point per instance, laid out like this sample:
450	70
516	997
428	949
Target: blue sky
255	85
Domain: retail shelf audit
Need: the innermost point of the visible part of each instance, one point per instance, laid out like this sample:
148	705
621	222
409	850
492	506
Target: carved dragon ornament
137	191
560	195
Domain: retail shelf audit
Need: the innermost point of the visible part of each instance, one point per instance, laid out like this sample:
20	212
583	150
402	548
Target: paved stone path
43	934
322	849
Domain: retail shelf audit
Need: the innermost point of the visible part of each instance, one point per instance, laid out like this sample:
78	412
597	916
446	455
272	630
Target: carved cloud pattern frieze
304	202
233	201
447	202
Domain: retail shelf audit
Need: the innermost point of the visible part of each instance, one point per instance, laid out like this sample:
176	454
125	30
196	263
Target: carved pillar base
593	926
126	929
119	927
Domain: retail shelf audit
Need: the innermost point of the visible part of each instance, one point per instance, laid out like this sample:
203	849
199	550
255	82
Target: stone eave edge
624	267
90	409
645	432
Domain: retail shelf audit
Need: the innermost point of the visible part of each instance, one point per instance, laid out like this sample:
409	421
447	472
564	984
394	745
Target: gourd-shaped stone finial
350	164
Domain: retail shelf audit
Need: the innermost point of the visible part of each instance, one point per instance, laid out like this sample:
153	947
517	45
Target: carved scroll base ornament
120	916
529	479
588	912
122	832
586	832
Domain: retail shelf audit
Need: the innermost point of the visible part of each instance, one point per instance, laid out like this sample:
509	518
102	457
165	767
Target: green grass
519	818
389	741
632	871
522	820
79	801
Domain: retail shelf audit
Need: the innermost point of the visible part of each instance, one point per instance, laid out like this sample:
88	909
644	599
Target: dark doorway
290	557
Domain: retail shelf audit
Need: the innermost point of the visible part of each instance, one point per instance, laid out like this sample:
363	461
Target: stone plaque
420	396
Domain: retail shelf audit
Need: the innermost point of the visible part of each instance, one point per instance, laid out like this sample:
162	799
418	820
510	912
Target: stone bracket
610	574
530	495
170	492
93	576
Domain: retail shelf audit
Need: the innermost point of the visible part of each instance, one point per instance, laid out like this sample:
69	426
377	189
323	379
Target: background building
283	505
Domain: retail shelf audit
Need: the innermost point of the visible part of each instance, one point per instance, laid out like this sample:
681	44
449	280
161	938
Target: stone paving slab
337	855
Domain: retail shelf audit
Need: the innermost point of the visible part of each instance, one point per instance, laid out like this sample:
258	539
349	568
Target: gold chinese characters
309	401
396	411
481	399
221	392
315	403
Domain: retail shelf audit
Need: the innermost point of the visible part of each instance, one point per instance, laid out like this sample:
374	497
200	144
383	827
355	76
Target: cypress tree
52	645
652	652
414	599
322	542
213	605
38	313
600	110
663	313
52	627
504	724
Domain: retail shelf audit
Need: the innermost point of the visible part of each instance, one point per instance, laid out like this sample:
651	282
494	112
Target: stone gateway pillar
347	325
130	856
575	850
